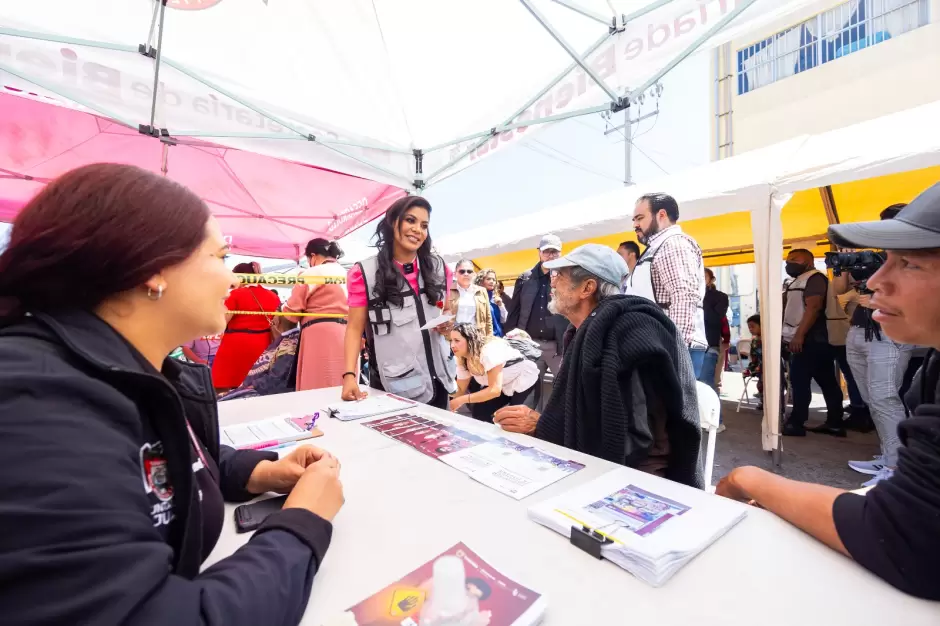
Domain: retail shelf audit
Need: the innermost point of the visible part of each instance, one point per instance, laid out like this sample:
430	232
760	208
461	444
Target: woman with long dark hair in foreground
391	296
112	477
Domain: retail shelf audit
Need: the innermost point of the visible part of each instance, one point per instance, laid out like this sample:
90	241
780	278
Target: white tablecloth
403	508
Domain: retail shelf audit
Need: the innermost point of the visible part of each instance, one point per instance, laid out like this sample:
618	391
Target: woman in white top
470	303
499	373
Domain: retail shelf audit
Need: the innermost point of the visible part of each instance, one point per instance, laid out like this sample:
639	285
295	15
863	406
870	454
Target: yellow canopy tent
748	208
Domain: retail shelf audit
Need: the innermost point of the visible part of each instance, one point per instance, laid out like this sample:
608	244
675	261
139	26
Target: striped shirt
679	280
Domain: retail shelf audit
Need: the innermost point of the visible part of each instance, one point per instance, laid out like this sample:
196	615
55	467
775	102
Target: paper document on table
437	321
499	463
501	601
654	526
369	407
269	432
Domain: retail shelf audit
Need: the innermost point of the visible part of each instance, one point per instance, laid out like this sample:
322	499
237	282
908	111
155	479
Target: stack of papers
502	601
268	433
369	407
655	526
499	463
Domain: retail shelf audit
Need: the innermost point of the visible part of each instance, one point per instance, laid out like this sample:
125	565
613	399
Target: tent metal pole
695	45
554	118
614	97
586	12
597	44
69	96
647	9
280	136
25	34
156	65
153	23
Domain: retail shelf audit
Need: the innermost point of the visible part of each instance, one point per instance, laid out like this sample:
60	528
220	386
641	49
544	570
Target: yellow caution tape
288	313
282	280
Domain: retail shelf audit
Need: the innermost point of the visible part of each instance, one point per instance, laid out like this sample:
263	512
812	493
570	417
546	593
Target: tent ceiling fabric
369	80
269	207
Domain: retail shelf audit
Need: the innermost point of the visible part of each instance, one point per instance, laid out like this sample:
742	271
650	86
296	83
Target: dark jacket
625	362
80	543
894	529
715	306
520	309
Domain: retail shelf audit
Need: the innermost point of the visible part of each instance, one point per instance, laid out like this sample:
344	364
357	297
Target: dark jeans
484	411
441	399
855	396
815	362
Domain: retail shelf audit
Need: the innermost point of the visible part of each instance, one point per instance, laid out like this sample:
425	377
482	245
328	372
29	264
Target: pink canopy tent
267	206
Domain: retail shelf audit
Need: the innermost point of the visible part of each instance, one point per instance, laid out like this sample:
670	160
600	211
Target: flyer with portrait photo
502	464
502	601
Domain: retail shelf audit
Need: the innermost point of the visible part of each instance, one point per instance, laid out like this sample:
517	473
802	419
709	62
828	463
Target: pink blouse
357	287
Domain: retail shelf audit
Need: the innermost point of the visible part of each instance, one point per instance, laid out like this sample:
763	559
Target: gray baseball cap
916	227
550	242
600	260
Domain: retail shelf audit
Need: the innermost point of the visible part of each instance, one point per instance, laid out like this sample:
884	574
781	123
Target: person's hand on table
516	419
458	402
730	486
351	390
319	489
281	475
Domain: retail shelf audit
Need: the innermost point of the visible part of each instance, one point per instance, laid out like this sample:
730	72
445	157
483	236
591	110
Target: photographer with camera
878	363
893	530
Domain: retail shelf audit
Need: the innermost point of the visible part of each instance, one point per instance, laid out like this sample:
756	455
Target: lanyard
195	442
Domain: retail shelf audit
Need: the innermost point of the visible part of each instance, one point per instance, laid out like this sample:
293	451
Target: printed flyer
499	463
503	602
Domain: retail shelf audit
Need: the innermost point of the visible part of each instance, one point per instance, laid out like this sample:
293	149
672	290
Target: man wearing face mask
805	336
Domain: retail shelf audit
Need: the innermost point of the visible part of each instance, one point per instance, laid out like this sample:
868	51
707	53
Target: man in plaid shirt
671	271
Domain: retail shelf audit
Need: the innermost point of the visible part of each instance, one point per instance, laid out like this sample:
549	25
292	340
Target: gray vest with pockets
408	360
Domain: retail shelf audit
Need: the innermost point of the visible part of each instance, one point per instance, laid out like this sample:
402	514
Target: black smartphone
249	516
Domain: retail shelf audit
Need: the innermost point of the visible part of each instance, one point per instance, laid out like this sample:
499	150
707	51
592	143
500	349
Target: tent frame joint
419	182
147	50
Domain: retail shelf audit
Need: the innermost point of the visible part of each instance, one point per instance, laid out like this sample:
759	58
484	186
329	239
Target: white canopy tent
405	92
760	183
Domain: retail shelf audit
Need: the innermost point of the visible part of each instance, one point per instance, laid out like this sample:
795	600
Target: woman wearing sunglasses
470	302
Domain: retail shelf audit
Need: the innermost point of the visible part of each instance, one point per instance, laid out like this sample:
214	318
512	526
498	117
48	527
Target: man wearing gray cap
894	529
626	391
528	309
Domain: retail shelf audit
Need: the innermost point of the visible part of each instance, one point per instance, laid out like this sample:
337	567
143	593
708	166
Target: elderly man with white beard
626	389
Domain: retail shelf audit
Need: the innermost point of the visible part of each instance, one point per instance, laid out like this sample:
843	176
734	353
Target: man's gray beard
553	307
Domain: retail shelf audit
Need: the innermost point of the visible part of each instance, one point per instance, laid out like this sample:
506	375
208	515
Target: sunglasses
465	272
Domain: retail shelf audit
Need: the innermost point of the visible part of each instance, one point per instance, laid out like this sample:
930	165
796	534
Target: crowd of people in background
122	445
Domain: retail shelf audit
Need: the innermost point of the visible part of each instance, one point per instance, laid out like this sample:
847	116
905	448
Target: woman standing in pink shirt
320	361
391	297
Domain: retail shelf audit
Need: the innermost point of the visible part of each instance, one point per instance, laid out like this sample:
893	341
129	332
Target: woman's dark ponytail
334	251
323	247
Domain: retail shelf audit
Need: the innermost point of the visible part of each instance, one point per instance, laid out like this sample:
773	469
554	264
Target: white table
403	508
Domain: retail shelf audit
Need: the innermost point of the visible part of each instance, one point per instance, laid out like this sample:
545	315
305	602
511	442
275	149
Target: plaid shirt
679	280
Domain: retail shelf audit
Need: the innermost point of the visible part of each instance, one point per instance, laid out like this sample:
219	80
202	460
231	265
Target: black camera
861	265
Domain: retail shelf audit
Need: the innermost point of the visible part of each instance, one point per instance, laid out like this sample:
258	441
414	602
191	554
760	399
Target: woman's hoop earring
155	296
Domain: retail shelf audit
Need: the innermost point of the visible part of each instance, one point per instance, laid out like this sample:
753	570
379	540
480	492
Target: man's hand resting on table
516	419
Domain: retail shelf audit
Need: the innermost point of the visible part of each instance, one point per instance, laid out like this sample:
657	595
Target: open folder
369	407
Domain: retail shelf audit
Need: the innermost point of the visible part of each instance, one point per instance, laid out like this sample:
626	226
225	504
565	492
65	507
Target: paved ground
814	458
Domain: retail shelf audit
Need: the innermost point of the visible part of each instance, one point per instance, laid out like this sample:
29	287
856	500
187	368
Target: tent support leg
541	19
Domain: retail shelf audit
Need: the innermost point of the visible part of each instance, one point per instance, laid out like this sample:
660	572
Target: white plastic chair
709	413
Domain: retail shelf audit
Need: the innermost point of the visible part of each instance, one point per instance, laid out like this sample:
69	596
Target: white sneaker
868	467
883	474
721	428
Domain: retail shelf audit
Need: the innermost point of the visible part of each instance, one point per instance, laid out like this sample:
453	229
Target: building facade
834	64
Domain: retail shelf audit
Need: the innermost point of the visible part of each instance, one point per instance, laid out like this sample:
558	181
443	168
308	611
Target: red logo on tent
192	5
